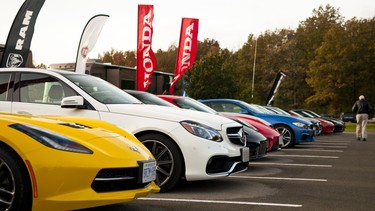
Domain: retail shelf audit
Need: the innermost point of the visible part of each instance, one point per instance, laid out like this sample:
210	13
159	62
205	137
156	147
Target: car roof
39	70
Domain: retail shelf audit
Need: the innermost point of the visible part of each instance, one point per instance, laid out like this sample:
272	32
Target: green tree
309	37
166	60
115	57
344	66
211	77
273	54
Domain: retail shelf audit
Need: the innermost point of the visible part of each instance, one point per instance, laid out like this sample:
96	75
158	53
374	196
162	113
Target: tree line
328	63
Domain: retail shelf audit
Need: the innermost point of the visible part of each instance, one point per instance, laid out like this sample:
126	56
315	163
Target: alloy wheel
7	186
287	136
164	159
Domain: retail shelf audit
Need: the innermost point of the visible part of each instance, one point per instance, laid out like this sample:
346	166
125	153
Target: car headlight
51	139
202	131
300	124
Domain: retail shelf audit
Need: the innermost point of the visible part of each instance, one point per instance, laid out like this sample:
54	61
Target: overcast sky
60	22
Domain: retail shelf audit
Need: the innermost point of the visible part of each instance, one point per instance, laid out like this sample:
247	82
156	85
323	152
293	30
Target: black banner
279	77
18	43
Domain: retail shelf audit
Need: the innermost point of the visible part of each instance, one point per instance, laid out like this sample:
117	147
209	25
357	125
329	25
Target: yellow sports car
67	163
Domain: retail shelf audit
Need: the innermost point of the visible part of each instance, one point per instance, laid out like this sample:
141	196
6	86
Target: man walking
362	108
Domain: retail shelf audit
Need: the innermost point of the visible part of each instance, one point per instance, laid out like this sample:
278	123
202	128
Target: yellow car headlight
51	139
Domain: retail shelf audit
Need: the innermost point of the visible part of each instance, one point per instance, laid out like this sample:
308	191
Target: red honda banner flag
187	49
146	61
88	40
17	46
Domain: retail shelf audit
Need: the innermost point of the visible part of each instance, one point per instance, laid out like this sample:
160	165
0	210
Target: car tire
15	186
288	135
168	157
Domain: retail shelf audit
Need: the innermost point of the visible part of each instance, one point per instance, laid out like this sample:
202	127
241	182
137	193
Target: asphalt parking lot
335	172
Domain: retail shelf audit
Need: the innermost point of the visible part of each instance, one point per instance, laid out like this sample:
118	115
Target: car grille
117	179
236	135
224	164
258	150
263	147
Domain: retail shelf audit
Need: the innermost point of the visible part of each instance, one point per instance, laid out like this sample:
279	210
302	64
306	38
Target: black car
348	117
339	124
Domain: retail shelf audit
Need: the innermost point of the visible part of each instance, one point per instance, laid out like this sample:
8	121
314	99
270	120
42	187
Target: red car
327	126
274	137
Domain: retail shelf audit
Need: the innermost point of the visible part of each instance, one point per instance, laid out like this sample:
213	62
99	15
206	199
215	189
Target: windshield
312	113
304	114
101	90
259	109
149	98
297	114
188	103
277	110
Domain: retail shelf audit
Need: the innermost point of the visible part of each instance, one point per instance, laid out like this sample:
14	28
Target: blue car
294	130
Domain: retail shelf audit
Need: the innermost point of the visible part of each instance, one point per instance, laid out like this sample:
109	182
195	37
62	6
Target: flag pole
255	56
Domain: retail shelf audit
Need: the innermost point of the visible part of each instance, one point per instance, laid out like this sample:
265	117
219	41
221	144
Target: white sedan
186	144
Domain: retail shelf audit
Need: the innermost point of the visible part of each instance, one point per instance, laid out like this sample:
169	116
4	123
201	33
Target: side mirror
72	102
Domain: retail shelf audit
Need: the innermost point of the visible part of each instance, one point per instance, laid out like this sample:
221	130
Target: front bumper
258	151
304	135
205	159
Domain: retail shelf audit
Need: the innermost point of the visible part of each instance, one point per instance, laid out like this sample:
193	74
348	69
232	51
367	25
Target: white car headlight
51	139
202	131
300	124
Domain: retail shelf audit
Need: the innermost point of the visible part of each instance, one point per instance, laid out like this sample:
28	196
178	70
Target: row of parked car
280	120
185	144
124	145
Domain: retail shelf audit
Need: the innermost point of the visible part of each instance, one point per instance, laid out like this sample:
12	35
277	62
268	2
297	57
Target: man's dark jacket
362	107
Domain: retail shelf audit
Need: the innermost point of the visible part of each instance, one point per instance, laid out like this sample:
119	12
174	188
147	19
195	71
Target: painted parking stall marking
314	150
281	178
305	156
292	164
319	146
222	202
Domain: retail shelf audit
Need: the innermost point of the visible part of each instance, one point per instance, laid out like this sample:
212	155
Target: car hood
334	120
275	118
246	116
97	139
170	114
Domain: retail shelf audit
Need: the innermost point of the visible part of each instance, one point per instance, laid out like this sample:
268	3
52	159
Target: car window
257	109
148	98
4	83
102	90
226	107
42	88
188	103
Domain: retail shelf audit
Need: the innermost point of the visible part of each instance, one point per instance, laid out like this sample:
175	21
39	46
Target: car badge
242	135
135	149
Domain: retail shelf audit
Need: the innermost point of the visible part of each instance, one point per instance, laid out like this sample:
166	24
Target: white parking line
319	146
313	150
221	202
327	143
281	178
330	141
290	164
303	156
